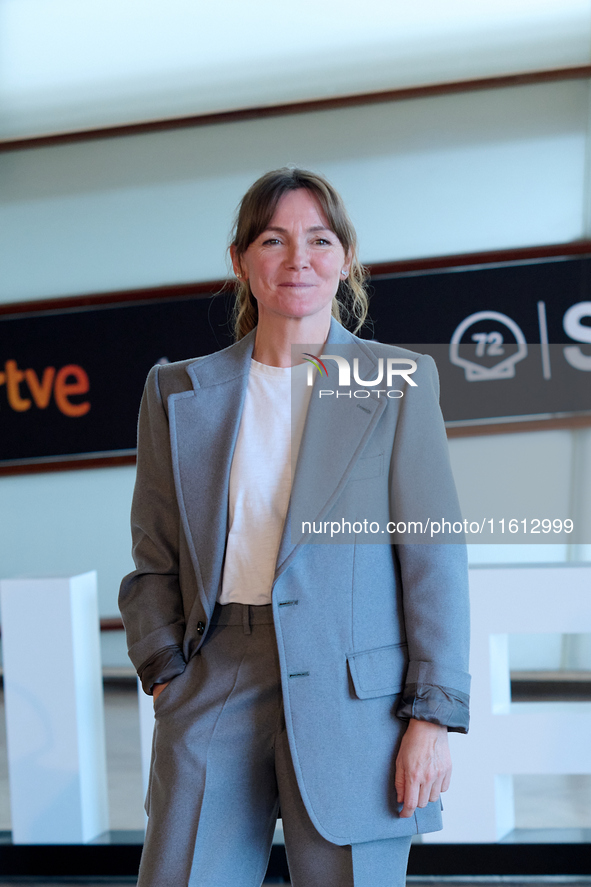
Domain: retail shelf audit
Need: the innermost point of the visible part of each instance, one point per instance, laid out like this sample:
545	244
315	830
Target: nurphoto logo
388	370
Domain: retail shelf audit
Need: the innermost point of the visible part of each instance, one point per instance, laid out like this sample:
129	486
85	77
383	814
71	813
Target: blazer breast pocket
379	672
368	467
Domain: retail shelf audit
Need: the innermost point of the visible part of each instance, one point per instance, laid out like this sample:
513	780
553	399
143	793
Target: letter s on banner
580	333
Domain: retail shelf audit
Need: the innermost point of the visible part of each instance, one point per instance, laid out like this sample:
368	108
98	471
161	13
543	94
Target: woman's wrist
158	688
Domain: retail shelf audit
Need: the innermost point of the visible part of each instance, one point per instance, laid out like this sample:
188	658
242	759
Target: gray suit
368	635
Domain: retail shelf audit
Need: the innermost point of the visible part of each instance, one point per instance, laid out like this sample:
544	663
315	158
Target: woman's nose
298	256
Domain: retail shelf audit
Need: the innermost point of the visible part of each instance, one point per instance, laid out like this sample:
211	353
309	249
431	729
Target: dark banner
509	341
71	381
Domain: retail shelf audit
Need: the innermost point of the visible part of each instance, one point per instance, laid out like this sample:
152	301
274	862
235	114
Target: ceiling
68	65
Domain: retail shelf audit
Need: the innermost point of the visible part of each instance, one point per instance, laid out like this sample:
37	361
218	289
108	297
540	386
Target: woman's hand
158	688
423	765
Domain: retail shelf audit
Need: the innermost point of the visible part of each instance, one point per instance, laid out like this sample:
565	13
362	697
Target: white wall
543	475
452	174
68	522
457	173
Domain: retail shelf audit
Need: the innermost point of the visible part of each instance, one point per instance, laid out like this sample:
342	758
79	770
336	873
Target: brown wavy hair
254	214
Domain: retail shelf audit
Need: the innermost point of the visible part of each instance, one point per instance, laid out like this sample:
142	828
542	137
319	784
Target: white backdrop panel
54	709
505	738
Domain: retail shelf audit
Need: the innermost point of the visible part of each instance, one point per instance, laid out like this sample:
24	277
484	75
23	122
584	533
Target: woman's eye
323	241
270	241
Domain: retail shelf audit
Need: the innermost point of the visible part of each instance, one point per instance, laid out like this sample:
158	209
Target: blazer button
200	627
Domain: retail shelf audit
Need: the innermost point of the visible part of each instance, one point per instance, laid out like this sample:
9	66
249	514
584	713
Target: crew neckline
265	369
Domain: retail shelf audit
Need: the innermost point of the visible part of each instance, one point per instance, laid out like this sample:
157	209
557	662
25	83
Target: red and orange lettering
63	390
40	390
14	377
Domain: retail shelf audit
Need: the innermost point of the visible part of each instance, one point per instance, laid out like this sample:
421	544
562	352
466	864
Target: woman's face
295	265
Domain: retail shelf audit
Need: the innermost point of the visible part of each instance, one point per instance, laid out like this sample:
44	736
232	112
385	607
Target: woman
288	668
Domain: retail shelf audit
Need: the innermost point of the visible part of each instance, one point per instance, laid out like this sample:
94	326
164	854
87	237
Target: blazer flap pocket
379	672
368	466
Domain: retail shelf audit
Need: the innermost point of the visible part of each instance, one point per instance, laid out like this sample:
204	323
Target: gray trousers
221	766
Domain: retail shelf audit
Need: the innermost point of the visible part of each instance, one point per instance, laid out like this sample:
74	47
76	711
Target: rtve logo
24	388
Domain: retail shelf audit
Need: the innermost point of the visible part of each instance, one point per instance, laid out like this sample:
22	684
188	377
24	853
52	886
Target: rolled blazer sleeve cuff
436	694
151	644
163	666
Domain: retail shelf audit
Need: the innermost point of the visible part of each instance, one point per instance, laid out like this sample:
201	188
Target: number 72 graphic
493	340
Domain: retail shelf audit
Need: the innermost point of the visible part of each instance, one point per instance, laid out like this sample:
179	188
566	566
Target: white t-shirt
260	479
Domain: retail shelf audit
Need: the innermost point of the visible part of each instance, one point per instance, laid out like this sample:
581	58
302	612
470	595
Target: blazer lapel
204	425
335	434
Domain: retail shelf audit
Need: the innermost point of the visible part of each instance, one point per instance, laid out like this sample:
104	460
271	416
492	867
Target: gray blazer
368	634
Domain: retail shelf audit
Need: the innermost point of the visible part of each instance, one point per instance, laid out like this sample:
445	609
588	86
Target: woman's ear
238	270
347	265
